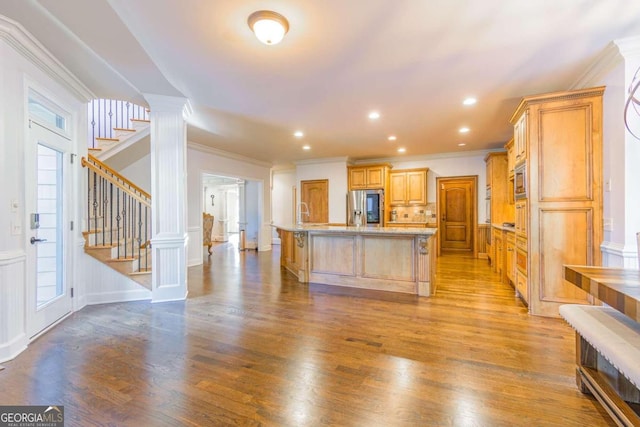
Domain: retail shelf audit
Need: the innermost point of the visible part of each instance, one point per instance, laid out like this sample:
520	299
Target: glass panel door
48	188
49	249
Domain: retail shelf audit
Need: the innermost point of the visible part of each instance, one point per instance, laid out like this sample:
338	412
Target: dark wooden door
457	213
315	194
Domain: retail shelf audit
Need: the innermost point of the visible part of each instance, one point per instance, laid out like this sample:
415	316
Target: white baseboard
13	348
618	255
119	296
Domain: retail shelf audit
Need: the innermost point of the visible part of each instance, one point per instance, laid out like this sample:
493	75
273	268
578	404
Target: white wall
282	183
252	191
336	172
139	172
203	160
621	152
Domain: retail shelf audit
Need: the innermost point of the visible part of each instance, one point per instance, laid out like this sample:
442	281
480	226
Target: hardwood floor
252	346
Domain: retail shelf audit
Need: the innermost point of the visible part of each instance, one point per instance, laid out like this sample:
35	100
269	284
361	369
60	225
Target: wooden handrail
114	177
95	161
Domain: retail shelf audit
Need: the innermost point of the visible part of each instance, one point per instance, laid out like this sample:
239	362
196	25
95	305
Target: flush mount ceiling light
469	101
374	115
269	27
392	138
298	134
463	130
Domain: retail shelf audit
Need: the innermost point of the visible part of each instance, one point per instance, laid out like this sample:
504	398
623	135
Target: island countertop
358	230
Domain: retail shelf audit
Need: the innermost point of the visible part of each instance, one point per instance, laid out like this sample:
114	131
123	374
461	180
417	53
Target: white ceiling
413	60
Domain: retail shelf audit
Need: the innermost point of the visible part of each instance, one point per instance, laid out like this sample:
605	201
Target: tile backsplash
417	213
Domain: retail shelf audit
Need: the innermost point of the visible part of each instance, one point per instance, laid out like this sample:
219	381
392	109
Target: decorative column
168	196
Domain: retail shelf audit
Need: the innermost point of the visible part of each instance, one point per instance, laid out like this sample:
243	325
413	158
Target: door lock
34	240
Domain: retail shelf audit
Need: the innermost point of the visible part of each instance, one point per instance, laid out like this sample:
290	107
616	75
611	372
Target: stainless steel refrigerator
365	208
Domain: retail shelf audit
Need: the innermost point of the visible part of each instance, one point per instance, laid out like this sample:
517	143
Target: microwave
520	181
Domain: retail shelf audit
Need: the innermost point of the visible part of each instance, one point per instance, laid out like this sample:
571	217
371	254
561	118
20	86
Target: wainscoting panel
484	230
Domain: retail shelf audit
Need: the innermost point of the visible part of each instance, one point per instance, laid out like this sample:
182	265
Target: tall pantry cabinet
558	137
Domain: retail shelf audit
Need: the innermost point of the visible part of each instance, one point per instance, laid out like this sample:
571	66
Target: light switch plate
14	205
16	228
608	224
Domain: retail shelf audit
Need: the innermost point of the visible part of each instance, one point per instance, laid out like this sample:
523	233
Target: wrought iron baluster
118	222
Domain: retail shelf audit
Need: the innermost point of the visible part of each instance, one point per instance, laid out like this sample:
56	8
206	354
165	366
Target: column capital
169	104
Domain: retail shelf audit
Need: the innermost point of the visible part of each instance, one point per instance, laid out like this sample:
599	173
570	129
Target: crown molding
226	154
628	47
16	36
322	160
614	54
450	155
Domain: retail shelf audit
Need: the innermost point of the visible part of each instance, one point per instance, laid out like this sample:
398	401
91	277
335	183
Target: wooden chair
207	230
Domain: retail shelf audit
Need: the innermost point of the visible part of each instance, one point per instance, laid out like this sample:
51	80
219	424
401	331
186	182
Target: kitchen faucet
302	211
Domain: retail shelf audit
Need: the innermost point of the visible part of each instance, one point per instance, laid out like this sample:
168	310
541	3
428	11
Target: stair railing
105	115
118	213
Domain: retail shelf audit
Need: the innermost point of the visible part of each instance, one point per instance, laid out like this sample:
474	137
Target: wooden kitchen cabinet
520	137
408	187
510	258
559	137
498	247
499	210
368	177
522	217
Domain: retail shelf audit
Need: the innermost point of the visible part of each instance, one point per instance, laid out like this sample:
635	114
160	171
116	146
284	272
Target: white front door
48	187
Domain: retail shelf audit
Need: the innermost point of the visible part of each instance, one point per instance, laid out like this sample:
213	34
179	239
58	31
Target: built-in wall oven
520	181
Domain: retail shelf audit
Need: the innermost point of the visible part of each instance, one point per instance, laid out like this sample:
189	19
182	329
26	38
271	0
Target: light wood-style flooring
252	346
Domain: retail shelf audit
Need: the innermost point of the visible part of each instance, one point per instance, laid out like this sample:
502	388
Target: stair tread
125	129
141	120
100	138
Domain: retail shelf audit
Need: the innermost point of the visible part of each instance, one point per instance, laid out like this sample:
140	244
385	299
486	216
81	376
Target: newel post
168	196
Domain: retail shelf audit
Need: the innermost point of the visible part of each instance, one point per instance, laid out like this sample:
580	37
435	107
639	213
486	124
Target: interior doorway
457	213
315	196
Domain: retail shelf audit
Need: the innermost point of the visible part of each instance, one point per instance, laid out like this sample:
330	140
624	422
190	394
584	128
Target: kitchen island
397	259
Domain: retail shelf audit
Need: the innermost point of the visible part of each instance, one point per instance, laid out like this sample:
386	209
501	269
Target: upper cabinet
521	137
408	187
368	177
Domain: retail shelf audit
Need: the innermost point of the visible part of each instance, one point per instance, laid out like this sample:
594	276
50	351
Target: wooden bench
607	359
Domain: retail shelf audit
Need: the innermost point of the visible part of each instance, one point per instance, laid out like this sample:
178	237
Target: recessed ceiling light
306	147
401	150
464	130
469	101
298	134
374	115
462	144
392	138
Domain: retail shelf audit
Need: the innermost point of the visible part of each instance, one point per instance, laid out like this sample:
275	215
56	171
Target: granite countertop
361	230
419	223
503	227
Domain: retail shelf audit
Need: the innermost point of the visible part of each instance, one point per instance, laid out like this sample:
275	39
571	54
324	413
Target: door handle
34	240
443	218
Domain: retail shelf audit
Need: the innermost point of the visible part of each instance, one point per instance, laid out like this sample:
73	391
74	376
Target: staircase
114	126
118	228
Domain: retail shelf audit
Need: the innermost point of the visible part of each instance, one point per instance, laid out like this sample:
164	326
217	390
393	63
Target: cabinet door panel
358	178
398	188
375	177
565	147
564	239
417	187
